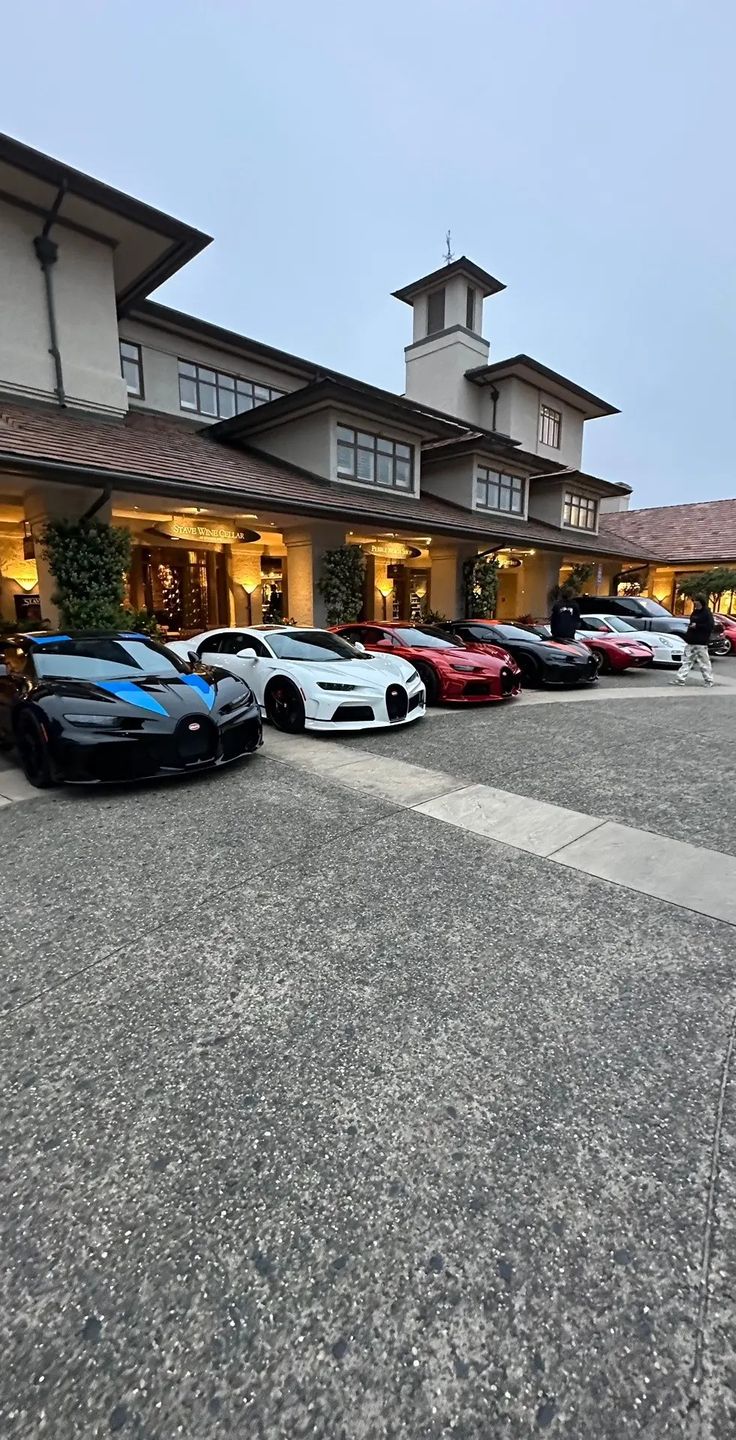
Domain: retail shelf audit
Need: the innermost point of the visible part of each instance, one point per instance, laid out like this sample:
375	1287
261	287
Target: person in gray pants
696	654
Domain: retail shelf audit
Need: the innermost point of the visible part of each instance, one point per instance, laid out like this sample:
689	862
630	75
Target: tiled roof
162	455
704	531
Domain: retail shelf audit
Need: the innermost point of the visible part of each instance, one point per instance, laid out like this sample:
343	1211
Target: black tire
284	706
430	682
531	670
605	666
33	752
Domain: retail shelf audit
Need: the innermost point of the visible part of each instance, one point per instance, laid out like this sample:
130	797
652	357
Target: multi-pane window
496	491
436	311
374	459
580	511
131	367
550	425
211	392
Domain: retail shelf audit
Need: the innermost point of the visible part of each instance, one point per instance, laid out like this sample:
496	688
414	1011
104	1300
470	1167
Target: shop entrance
186	590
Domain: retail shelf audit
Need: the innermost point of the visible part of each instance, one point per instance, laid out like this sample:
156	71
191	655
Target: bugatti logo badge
194	725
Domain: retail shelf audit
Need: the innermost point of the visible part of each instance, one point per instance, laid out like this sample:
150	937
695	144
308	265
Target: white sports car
666	649
307	679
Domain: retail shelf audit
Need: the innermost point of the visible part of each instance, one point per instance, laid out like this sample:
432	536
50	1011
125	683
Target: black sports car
542	662
89	707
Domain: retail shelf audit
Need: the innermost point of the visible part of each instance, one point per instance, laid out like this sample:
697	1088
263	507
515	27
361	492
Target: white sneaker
679	683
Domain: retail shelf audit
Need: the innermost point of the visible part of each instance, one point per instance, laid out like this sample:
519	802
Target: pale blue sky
582	151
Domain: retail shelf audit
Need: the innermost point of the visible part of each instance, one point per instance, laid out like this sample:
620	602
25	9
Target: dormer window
581	512
374	459
436	310
550	426
496	491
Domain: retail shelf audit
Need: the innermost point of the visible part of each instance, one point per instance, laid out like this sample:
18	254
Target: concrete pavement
324	1117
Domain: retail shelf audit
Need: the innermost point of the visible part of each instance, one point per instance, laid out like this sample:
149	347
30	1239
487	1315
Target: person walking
565	617
699	631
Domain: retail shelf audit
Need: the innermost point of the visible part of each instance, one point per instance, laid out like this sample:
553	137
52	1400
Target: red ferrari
449	670
729	629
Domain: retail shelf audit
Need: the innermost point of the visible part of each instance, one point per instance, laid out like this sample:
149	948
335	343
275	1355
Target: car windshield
107	657
496	634
310	645
423	635
641	606
614	622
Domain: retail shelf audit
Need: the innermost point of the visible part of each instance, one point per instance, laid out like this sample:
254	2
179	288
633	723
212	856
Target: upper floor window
131	367
436	310
211	392
580	511
550	426
495	491
374	459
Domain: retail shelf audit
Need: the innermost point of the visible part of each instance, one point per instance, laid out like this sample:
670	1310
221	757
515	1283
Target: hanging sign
214	532
392	550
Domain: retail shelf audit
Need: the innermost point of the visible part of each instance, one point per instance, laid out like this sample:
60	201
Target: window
580	511
211	392
317	645
470	309
550	426
374	460
131	367
436	311
494	491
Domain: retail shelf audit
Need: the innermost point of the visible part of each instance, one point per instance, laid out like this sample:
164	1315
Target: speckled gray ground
664	764
325	1120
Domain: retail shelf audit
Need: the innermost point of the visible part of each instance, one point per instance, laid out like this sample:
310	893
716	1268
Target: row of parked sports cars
118	706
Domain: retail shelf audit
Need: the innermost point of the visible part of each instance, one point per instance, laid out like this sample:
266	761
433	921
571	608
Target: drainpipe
47	253
97	504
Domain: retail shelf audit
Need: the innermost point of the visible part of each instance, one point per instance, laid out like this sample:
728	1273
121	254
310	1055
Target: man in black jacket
565	617
696	654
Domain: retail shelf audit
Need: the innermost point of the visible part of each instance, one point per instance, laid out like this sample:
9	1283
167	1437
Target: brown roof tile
705	530
160	454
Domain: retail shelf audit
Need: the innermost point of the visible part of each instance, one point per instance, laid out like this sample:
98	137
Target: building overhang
486	283
147	245
331	393
523	367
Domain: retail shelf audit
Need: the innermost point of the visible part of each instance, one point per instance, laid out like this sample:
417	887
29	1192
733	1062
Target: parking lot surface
325	1118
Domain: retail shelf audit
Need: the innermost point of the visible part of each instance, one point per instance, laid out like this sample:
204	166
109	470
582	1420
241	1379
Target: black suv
640	612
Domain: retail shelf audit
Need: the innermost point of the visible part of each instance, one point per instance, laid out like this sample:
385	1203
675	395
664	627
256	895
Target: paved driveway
325	1117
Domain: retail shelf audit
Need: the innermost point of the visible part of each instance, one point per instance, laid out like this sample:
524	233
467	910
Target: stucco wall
435	373
85	310
517	414
451	479
546	501
161	352
305	441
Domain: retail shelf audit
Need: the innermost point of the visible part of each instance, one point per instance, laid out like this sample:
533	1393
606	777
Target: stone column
538	574
57	502
245	575
446	580
305	548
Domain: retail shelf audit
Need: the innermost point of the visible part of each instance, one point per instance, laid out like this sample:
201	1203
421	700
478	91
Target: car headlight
100	722
413	675
334	685
234	706
465	669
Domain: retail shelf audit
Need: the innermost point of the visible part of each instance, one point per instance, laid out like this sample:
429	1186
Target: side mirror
193	658
247	654
358	645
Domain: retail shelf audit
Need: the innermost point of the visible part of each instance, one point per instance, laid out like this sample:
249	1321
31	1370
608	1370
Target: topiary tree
341	583
480	586
88	560
712	583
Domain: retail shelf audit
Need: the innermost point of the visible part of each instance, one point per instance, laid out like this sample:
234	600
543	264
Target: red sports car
615	652
449	670
729	629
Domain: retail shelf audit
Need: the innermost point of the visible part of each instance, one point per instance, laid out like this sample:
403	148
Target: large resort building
236	466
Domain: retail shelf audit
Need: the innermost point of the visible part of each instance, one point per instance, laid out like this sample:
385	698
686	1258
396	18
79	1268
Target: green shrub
480	586
88	560
341	583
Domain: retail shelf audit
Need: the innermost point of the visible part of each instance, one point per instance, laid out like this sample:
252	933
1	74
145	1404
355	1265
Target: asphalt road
321	1118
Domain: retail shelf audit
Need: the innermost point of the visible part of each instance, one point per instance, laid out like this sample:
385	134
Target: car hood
467	654
175	696
373	670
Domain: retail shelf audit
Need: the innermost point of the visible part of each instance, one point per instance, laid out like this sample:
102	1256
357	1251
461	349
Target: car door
222	649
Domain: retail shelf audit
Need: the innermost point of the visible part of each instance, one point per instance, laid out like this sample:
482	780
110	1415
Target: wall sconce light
385	589
249	589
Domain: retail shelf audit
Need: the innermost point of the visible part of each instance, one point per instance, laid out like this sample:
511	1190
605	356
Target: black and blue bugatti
114	706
